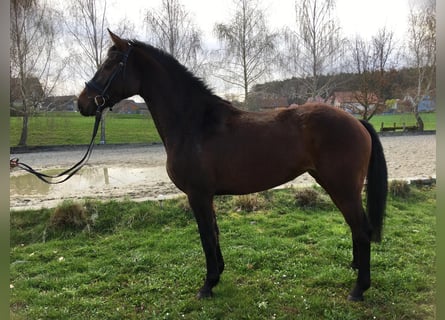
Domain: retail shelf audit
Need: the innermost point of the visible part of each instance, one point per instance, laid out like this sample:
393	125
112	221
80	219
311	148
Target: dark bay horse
213	148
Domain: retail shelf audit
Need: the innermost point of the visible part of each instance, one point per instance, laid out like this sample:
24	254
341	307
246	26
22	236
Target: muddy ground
138	172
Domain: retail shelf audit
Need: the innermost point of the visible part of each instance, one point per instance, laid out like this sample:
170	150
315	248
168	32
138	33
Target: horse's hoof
355	298
204	294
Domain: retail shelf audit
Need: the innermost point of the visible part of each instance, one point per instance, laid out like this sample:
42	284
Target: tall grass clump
399	188
311	198
249	202
66	220
69	215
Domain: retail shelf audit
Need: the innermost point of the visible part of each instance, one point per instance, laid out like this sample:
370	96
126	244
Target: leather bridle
102	98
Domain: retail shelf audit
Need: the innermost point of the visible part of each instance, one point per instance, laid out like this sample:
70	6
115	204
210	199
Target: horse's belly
255	178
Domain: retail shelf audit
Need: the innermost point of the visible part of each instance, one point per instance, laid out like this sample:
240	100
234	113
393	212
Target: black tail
377	186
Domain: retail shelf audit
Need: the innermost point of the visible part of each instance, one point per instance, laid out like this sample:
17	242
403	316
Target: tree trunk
24	134
419	120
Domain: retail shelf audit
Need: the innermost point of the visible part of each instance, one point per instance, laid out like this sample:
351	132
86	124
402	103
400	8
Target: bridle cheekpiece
101	99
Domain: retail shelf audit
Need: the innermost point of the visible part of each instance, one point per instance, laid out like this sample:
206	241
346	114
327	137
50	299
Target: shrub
69	215
249	202
399	188
307	198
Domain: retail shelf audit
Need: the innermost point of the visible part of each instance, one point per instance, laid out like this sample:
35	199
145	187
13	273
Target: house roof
344	97
59	102
129	105
32	86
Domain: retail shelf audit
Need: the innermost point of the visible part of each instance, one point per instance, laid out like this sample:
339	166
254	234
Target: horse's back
262	150
326	127
323	118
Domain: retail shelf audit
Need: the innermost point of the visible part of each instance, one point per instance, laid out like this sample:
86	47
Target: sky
362	17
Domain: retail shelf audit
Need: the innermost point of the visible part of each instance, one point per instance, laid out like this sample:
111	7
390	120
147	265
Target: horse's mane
174	67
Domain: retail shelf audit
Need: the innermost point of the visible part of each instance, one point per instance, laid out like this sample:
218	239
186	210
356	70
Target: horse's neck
177	104
174	119
164	121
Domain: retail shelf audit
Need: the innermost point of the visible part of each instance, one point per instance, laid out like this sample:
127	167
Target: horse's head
112	82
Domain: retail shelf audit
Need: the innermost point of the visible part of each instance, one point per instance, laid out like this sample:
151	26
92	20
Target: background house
129	106
352	101
60	103
33	94
427	104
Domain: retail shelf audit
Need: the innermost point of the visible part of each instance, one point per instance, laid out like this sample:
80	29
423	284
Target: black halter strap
101	103
101	99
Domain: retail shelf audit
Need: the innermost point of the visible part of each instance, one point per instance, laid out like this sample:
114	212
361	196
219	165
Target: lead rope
69	172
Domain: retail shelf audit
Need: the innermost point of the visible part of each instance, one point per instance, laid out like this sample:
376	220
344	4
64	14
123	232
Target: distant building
33	90
351	101
128	106
316	99
427	104
60	103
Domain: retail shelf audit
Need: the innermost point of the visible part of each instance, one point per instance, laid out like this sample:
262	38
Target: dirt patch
408	157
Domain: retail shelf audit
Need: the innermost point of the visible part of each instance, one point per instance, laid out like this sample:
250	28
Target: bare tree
364	68
372	60
33	37
315	46
87	23
171	28
248	46
422	52
89	31
386	59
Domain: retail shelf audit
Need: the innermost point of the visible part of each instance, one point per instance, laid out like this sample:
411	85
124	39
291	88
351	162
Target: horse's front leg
205	217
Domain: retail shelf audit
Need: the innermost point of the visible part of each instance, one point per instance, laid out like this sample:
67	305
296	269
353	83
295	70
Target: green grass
429	120
69	128
144	261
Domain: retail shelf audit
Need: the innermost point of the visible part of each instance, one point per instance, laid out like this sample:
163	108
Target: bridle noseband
101	99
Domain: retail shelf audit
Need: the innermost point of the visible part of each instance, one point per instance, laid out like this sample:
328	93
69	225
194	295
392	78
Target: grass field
429	120
71	128
127	260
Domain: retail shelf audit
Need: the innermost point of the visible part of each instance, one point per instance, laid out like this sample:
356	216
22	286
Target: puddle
86	181
148	183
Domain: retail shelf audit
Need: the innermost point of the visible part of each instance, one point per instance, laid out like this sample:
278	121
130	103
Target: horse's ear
118	42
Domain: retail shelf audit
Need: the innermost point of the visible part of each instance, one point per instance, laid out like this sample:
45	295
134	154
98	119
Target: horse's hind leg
361	253
357	221
208	230
355	262
347	197
354	215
